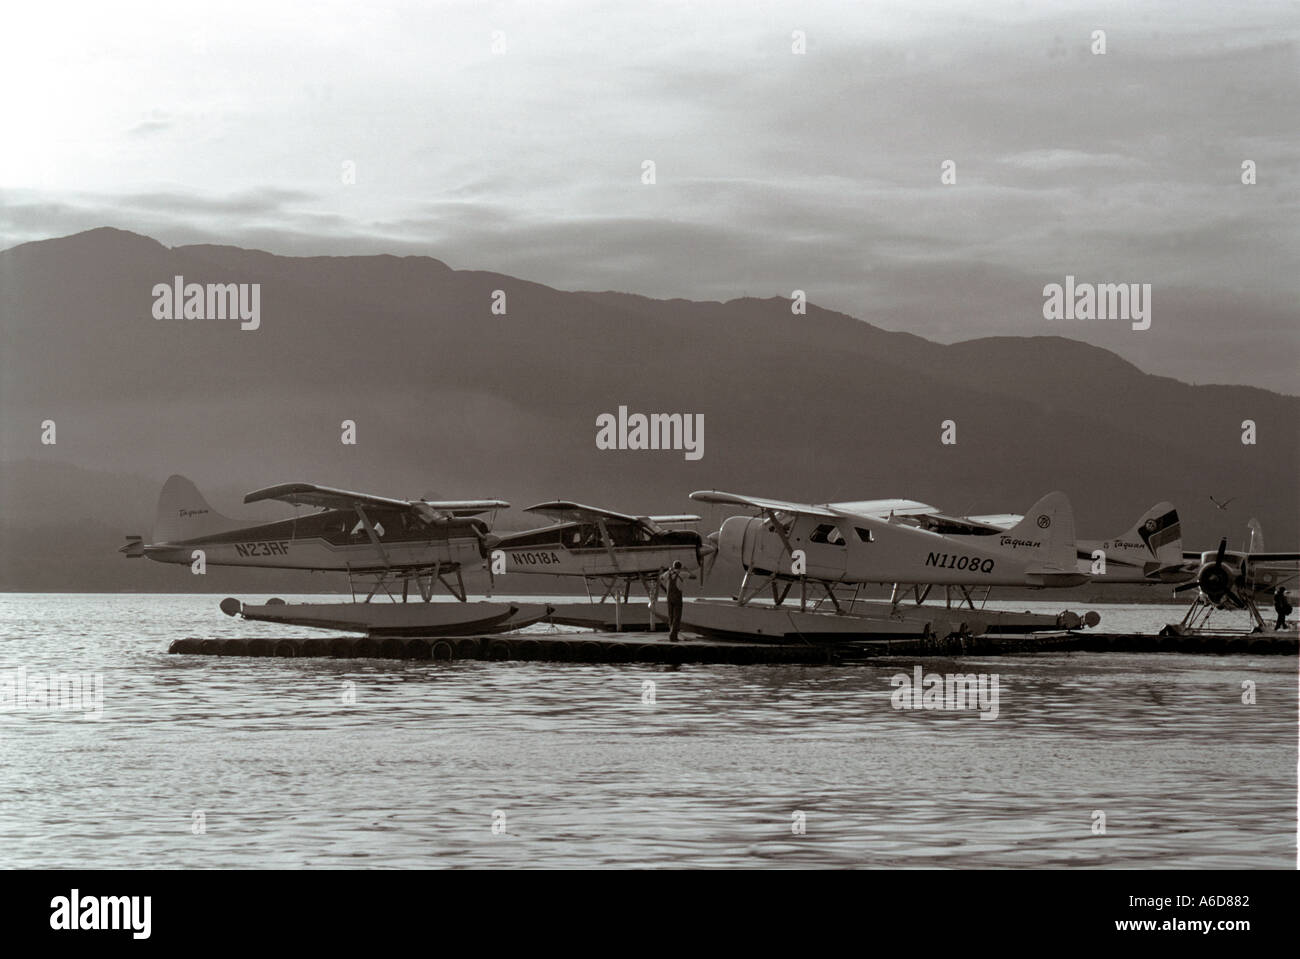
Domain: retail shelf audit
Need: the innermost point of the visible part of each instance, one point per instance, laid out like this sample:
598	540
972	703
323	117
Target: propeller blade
1223	548
1183	587
708	556
487	542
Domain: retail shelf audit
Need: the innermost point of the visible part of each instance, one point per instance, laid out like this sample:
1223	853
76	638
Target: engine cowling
1220	574
1215	581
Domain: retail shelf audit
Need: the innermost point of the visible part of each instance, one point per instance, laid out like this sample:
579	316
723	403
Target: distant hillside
450	398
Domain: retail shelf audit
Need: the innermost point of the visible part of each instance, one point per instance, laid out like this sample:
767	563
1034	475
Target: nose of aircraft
731	538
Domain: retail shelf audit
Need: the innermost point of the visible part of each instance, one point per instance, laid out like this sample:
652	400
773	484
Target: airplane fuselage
335	540
1126	561
849	550
584	549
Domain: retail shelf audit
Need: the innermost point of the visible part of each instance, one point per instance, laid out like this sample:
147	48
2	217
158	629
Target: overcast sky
775	171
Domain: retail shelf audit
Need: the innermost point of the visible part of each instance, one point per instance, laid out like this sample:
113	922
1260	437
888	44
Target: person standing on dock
671	579
1282	607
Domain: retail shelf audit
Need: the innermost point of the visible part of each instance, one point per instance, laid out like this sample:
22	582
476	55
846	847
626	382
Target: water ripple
318	763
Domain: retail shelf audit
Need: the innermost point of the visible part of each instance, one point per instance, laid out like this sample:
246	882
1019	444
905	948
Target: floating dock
564	647
656	648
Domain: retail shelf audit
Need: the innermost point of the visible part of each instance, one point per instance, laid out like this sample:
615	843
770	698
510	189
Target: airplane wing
1255	559
761	503
997	521
884	508
959	525
1251	558
568	512
326	497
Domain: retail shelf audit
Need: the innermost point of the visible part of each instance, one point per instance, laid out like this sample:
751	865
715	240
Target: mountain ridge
444	392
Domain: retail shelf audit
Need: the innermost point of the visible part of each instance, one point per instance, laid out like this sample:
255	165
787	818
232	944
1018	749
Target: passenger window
864	534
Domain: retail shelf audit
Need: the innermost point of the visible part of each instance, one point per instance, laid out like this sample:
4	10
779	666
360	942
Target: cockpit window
786	521
826	533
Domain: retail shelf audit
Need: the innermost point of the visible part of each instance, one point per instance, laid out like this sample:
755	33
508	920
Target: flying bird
1224	504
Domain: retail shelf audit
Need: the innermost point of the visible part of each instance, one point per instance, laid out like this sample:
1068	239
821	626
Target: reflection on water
318	762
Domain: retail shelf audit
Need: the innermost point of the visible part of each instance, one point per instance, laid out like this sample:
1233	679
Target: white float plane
374	537
864	542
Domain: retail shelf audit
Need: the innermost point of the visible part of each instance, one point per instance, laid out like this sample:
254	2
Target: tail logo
1044	521
1159	531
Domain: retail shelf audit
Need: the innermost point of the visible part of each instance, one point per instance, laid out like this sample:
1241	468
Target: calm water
287	773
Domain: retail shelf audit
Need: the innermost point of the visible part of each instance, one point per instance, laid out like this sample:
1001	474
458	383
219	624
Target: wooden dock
656	648
566	647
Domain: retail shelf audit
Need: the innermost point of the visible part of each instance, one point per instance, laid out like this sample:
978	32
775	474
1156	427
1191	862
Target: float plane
853	544
612	549
861	542
1230	579
362	535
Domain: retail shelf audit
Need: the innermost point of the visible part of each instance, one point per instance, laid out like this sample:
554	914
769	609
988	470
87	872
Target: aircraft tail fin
1050	524
1159	528
1255	542
184	514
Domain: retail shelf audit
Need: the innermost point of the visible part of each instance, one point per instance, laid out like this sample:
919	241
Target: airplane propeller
1216	580
487	542
706	554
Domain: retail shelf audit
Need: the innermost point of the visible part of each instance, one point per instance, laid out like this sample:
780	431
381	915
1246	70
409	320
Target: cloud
148	127
1057	159
775	171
